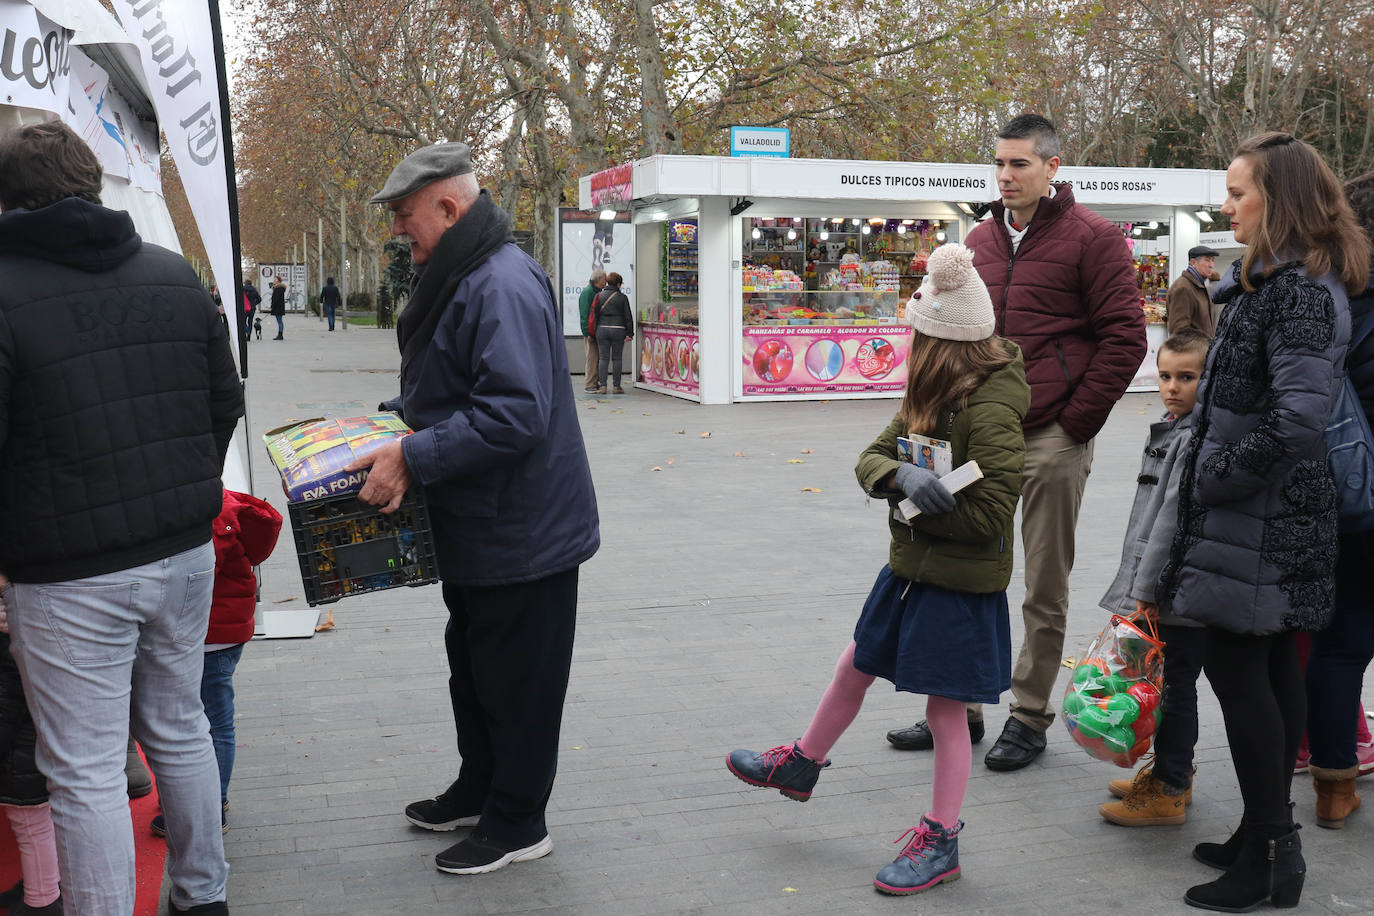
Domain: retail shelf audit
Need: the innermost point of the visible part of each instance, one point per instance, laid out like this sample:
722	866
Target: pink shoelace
922	839
778	756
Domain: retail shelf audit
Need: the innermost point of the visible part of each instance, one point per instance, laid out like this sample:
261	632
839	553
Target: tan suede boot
1146	805
1336	798
1122	787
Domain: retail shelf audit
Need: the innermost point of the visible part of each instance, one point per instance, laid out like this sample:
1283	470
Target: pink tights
32	826
948	723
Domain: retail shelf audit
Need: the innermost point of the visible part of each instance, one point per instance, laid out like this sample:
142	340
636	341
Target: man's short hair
598	275
1034	127
1187	342
43	163
1360	193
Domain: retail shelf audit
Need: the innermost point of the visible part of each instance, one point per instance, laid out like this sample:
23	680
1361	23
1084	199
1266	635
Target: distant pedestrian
596	284
1255	554
1188	304
615	324
254	300
330	298
936	621
278	304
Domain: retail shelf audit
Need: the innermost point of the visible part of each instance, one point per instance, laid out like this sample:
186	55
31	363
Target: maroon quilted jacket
1070	299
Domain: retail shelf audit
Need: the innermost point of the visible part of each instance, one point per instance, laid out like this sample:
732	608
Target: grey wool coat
1255	549
1153	521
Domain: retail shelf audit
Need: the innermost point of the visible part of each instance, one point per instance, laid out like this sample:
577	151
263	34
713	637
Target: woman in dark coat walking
1255	551
278	304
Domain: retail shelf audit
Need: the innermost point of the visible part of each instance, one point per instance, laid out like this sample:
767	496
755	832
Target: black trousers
1259	683
509	653
1185	649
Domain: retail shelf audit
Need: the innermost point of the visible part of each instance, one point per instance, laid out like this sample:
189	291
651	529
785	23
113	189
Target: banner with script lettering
176	45
35	65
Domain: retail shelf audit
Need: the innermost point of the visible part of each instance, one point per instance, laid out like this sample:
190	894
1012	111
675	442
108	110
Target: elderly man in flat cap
498	450
1188	304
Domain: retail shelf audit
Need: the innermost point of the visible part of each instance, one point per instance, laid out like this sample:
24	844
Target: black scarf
464	247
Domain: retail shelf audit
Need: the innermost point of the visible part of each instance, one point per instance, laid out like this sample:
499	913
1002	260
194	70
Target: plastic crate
348	548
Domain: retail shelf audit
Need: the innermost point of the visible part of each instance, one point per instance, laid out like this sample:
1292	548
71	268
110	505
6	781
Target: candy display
679	259
1111	704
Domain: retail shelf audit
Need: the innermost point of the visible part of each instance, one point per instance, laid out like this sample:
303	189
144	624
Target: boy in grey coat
1160	793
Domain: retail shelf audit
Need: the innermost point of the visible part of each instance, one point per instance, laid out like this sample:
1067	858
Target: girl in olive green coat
936	621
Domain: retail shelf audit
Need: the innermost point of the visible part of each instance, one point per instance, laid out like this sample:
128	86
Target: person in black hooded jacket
118	401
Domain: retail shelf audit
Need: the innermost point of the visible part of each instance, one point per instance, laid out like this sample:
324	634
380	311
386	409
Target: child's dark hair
1187	342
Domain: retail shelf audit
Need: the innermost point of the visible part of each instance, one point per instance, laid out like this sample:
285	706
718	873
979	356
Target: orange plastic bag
1111	704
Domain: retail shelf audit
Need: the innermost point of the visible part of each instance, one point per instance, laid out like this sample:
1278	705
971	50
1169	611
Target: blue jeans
329	313
280	332
101	658
217	695
1340	653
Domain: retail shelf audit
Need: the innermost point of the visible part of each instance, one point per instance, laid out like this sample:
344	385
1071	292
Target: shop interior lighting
854	221
837	220
825	234
755	234
791	235
796	219
1203	216
1137	230
908	222
740	206
1154	224
941	237
901	229
606	214
867	229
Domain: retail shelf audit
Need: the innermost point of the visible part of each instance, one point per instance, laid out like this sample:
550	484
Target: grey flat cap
425	165
1202	251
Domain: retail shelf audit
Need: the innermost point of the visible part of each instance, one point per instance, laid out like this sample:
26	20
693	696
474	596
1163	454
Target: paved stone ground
710	619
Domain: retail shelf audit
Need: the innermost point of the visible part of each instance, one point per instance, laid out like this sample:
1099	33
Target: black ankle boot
1220	855
1265	867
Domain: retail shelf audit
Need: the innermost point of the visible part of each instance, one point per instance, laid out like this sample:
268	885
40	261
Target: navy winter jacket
497	444
1361	357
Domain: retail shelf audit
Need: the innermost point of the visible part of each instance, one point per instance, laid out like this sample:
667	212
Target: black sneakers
439	814
479	854
217	908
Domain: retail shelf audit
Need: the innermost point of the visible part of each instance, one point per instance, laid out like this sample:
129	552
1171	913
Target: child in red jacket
245	532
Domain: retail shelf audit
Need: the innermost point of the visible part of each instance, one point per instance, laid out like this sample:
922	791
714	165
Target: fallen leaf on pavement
705	435
328	623
795	461
807	451
655	469
682	432
672	461
812	490
740	455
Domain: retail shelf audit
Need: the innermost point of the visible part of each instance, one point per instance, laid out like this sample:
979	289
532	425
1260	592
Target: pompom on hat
952	303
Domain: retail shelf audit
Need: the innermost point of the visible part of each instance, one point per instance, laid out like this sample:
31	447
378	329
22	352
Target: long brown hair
940	372
1306	215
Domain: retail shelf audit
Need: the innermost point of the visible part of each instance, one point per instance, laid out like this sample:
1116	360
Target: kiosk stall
786	279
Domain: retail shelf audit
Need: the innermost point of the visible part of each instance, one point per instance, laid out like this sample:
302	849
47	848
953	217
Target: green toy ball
1114	683
1074	703
1086	676
1124	708
1093	721
1118	739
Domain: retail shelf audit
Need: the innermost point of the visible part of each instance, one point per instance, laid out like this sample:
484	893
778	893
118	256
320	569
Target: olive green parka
970	548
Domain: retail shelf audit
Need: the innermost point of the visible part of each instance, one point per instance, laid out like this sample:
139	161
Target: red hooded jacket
1070	299
245	530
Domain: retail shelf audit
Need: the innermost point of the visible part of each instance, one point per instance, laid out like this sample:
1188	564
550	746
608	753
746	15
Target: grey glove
924	489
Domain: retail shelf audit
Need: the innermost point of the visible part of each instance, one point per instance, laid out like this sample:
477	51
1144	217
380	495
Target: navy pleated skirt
930	640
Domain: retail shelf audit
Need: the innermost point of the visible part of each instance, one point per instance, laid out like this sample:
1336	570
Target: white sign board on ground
296	280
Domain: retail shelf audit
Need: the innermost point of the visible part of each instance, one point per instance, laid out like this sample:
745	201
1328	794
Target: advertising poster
816	359
589	243
669	358
295	278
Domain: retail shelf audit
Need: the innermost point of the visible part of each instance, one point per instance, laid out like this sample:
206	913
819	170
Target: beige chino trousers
1052	485
589	374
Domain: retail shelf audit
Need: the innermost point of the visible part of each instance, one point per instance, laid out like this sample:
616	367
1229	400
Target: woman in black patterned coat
1255	551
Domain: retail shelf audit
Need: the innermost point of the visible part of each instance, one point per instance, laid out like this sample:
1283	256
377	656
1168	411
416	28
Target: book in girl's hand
925	452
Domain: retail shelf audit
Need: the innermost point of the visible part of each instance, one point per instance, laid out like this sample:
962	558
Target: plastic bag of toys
1111	705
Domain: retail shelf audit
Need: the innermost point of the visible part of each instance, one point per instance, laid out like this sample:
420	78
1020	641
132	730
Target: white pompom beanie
952	303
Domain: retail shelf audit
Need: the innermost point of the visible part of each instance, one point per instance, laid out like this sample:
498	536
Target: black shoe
1265	867
20	908
440	814
1219	855
919	738
479	854
278	337
219	908
9	897
1017	746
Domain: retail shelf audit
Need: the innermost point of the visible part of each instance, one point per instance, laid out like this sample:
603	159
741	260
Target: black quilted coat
118	397
1255	550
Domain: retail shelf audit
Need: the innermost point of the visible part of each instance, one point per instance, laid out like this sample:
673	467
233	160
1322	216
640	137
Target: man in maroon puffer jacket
1064	288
